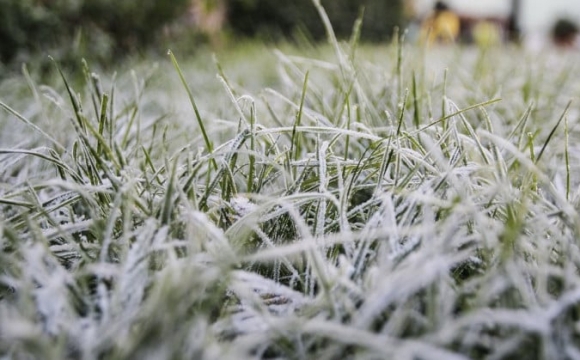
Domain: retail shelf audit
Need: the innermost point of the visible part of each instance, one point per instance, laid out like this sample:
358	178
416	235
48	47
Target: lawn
335	201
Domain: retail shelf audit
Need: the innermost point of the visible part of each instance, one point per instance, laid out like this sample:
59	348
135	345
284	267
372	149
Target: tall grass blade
206	139
562	117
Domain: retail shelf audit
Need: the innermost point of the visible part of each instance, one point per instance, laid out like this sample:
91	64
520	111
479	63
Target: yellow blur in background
442	26
486	34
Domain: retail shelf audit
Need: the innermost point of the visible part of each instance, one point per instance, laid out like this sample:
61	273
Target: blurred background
535	15
105	31
538	22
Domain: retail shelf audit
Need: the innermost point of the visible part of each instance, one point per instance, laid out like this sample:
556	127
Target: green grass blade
206	139
562	117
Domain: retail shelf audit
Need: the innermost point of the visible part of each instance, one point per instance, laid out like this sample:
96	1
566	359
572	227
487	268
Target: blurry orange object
442	26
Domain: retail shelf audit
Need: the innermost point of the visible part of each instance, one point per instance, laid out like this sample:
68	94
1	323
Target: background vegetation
270	19
107	30
103	29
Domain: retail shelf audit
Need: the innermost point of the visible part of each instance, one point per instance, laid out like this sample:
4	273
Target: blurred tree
565	32
108	27
274	19
31	25
132	23
208	17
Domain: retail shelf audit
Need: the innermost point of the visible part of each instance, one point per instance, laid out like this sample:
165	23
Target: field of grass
333	202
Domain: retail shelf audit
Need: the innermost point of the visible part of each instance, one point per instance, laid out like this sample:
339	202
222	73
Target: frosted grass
354	201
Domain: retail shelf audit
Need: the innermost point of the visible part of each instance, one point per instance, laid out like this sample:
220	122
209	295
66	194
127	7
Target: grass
346	201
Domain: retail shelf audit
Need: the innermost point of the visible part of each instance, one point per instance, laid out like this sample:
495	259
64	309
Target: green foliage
67	28
133	23
274	19
30	25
